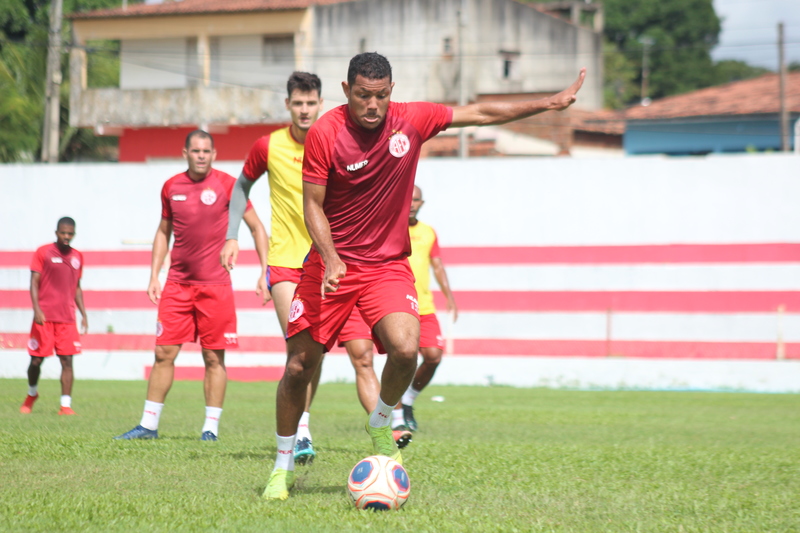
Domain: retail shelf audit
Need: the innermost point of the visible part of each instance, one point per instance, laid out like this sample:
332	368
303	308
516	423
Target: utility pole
782	91
52	109
463	148
647	42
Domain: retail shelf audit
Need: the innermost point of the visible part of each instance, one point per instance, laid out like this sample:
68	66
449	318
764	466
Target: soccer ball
378	482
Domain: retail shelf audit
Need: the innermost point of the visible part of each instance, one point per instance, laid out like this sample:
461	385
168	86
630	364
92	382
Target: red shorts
377	290
355	328
60	336
430	335
276	275
189	312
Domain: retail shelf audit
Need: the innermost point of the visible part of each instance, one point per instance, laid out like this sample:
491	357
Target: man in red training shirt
56	272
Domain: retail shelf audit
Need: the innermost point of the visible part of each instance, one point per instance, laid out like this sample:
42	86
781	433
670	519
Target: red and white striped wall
547	301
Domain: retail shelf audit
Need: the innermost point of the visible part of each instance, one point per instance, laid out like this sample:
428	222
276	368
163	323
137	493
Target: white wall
481	202
153	64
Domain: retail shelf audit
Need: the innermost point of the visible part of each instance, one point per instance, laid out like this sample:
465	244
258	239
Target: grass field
486	459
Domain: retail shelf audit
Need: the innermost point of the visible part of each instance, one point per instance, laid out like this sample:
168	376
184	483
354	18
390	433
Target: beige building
222	64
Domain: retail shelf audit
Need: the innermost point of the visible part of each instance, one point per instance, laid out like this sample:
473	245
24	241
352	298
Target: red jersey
369	176
198	211
60	274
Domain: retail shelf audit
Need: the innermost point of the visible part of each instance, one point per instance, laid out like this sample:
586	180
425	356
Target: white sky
750	31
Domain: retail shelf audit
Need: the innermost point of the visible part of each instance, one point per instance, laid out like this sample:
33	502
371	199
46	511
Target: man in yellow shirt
424	256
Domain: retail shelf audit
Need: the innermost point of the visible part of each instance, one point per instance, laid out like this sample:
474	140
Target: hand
229	254
154	291
261	290
334	271
567	97
84	326
452	309
38	317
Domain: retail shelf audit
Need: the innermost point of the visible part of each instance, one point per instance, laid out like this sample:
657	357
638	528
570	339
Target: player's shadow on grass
260	456
300	490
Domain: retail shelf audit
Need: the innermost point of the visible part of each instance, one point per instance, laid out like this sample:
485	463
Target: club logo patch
33	345
75	262
399	145
208	197
77	345
231	338
159	328
296	311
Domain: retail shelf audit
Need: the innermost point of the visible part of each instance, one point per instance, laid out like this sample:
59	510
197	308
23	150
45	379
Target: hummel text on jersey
357	166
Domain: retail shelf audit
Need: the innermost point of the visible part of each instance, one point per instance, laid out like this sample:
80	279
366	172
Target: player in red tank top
197	300
358	172
56	272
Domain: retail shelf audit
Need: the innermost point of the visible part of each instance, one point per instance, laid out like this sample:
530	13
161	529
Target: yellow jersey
424	246
281	157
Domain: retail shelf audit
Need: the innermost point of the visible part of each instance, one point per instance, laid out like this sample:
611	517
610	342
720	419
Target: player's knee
432	356
66	361
36	362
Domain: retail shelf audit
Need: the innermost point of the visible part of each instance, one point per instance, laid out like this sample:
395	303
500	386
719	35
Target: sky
750	31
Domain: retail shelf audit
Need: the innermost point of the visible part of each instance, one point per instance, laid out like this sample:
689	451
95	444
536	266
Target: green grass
487	459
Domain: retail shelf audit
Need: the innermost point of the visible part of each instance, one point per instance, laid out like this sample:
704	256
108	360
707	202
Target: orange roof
747	97
197	7
608	121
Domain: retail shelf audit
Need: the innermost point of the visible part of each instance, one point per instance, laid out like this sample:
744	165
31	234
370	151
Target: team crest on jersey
296	311
33	345
399	144
159	328
75	262
208	197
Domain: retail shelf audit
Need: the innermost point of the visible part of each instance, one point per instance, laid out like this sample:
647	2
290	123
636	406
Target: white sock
151	414
211	424
285	459
380	417
302	427
66	401
409	396
397	418
33	390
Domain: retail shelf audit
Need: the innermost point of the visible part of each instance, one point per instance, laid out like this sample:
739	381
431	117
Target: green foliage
487	459
620	86
23	67
731	70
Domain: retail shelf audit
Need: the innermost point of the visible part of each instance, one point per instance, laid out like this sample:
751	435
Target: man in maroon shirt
56	272
197	300
358	173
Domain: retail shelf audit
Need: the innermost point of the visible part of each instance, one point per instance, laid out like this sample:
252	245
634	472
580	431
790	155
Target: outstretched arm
441	278
494	113
320	231
261	241
239	196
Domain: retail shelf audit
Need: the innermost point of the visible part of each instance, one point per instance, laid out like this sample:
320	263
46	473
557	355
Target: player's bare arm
38	315
320	231
494	113
444	284
236	209
261	240
82	309
160	249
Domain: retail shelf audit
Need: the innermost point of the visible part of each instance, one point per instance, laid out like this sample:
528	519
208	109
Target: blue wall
700	136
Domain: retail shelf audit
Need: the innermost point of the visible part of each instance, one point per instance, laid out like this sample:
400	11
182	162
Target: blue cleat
304	452
207	435
139	432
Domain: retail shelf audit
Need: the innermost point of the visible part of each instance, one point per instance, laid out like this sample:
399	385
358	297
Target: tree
23	54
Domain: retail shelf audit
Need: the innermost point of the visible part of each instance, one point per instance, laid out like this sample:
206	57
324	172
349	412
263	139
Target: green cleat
383	442
280	481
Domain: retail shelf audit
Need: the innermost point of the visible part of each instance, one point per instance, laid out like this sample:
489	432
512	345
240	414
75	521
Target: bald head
416	204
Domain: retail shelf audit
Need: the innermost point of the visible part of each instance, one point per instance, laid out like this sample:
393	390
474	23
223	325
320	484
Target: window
510	61
362	45
447	45
277	50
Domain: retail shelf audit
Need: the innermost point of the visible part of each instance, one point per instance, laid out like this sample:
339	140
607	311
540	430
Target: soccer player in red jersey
197	300
56	272
358	173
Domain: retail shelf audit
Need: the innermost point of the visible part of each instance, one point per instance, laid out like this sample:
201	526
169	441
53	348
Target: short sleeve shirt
198	211
60	274
369	176
424	247
281	157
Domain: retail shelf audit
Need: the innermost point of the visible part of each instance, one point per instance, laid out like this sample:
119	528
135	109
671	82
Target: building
741	116
222	64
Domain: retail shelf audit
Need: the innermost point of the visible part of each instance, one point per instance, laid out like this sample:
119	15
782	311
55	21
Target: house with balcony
222	65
